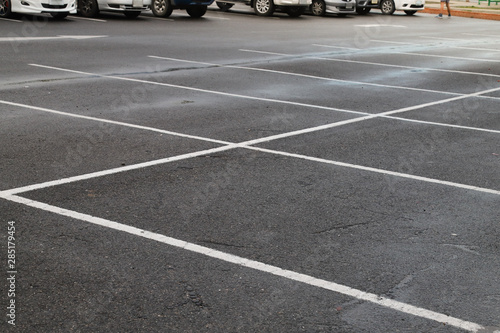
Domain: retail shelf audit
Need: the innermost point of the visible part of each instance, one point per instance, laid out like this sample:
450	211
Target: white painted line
86	19
446	57
256	265
380	25
484	35
393	42
216	17
309	76
160	18
10	20
447	46
425	54
379	171
370	63
446	38
337	47
247	145
115	170
202	90
114	122
32	39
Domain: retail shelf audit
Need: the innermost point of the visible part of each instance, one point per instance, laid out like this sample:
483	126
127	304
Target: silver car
130	8
339	7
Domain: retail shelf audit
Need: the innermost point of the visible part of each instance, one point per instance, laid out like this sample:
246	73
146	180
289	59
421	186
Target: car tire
5	9
318	8
410	12
224	6
59	16
363	10
196	11
295	11
387	7
132	14
263	7
88	8
161	8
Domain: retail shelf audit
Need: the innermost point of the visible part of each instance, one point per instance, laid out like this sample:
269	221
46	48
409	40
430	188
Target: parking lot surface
236	173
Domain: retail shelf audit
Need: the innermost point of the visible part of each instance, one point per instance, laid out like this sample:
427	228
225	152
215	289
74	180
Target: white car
293	8
339	7
59	9
130	8
388	7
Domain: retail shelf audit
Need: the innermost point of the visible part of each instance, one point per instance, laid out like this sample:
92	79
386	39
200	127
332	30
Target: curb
461	13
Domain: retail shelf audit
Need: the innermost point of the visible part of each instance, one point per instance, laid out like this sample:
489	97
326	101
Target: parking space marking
161	18
380	25
427	54
86	19
447	46
33	39
249	145
295	56
116	170
10	20
339	47
255	265
484	35
113	122
307	76
378	171
262	99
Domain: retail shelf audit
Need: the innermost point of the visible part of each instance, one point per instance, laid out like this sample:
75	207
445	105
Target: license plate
374	2
349	6
137	3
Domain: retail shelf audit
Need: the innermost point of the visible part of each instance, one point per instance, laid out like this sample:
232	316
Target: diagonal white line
115	170
295	56
255	265
102	120
379	171
200	90
248	143
310	76
426	54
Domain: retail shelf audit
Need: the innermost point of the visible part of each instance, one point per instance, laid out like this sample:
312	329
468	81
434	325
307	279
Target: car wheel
59	16
363	10
132	14
318	7
410	12
224	6
5	9
196	11
387	7
88	8
295	11
264	7
161	8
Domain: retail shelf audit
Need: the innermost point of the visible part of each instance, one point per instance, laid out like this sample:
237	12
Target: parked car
339	7
388	7
294	8
195	8
59	9
130	8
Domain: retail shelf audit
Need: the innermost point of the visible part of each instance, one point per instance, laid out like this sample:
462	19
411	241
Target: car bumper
400	5
46	6
125	5
344	7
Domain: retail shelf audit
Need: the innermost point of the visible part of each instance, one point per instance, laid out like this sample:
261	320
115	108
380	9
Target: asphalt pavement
238	173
